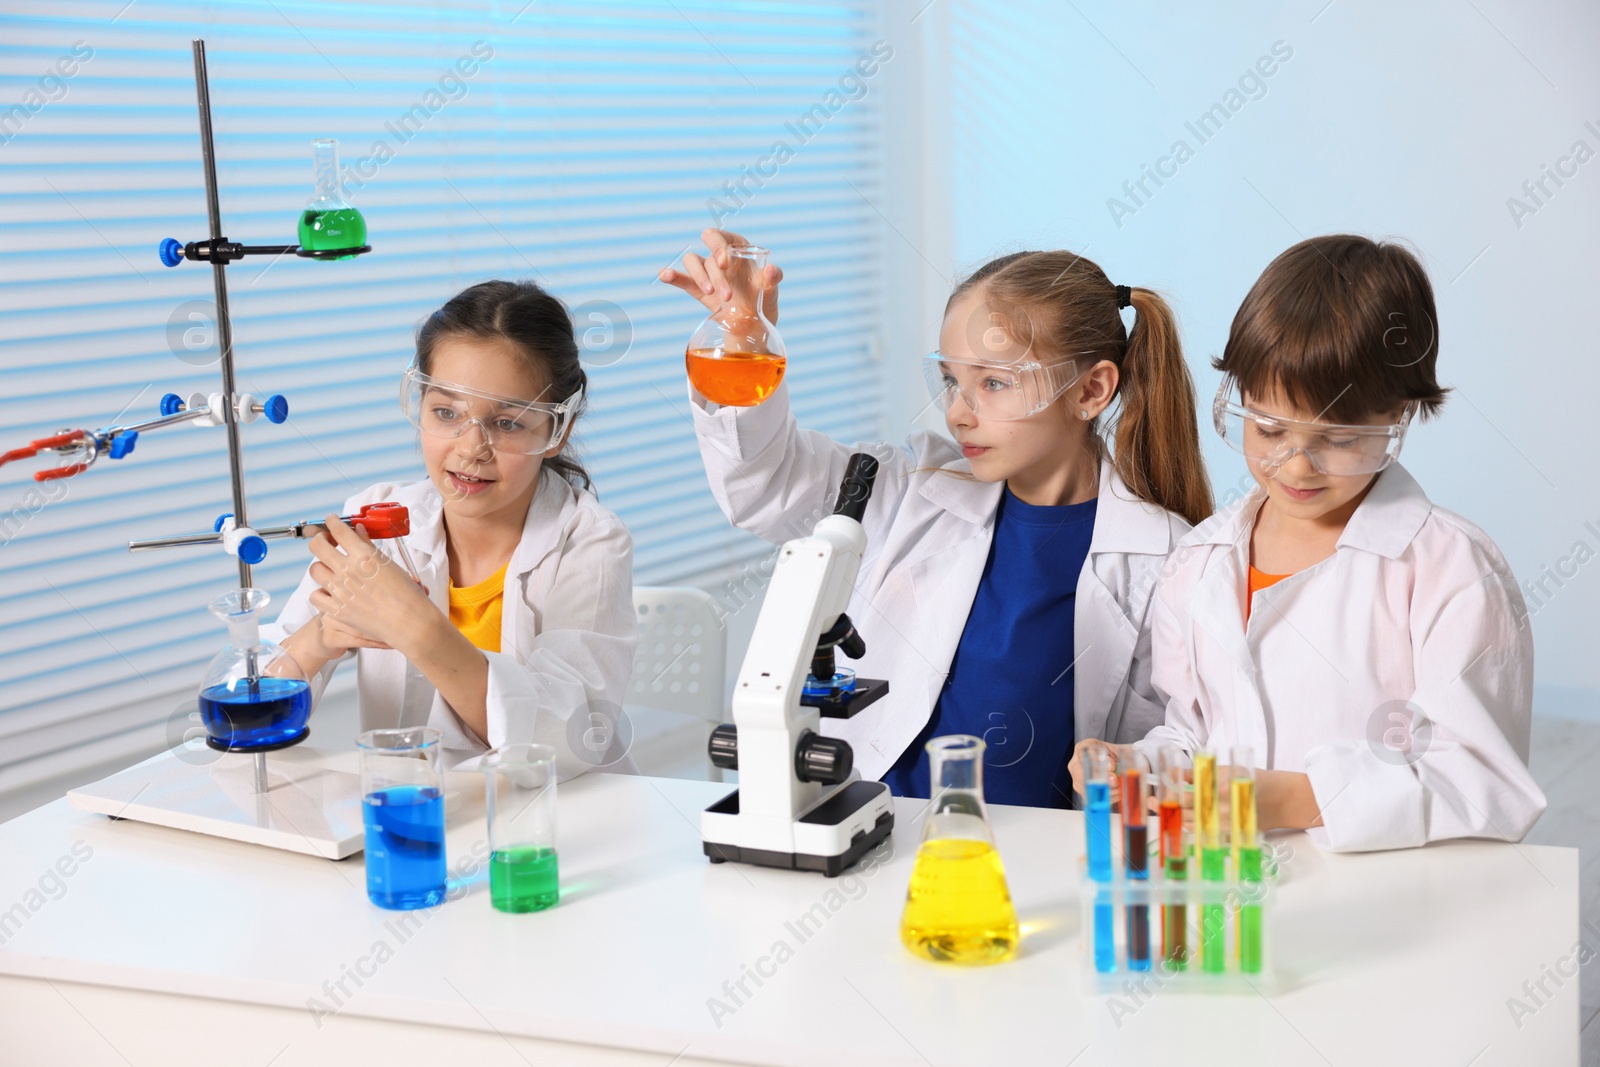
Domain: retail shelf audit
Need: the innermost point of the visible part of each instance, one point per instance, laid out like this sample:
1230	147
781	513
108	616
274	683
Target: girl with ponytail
1006	588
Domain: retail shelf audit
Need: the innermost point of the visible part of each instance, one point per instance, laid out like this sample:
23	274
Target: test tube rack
1191	929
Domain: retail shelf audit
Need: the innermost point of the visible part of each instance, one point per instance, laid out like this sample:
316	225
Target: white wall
1416	120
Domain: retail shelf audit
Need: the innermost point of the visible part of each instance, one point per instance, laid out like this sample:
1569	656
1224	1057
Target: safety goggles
445	409
996	390
1270	441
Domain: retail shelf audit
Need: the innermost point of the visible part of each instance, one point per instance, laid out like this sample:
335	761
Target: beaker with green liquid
958	906
520	790
330	224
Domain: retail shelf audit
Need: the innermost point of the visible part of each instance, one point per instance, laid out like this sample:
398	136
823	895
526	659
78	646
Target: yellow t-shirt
475	610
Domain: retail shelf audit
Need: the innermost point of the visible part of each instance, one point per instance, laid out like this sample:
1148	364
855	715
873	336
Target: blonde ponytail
1157	450
1069	305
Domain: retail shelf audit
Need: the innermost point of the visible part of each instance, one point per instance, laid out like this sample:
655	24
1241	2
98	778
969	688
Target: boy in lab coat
1371	648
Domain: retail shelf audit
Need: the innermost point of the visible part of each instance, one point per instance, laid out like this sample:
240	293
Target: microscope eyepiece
856	489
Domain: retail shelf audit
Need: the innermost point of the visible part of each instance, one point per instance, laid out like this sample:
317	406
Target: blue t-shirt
1010	681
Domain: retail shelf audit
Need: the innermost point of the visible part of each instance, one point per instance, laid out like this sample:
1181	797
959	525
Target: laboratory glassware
1097	841
1213	860
1174	857
330	224
520	793
1246	857
255	696
402	791
1134	771
958	906
736	357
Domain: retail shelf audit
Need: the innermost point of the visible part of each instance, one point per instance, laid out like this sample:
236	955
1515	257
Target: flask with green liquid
329	223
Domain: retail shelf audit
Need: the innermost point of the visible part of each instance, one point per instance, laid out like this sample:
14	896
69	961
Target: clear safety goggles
445	409
996	390
1270	441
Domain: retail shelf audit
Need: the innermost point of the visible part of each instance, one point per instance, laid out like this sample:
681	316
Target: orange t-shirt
475	609
1259	581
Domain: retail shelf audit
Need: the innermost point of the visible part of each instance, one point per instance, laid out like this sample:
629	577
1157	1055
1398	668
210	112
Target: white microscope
800	804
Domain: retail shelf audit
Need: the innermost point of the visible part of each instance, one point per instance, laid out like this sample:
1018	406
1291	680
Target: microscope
800	804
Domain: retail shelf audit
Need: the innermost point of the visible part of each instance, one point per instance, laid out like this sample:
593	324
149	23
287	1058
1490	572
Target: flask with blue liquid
255	697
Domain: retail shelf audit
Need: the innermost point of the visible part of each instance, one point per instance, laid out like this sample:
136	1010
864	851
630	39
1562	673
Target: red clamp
382	520
60	440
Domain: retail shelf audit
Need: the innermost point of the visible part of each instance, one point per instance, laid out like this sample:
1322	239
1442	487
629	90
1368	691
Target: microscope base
837	832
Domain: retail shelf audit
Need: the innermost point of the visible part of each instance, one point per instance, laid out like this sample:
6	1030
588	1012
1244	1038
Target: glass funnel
736	357
958	907
330	223
255	696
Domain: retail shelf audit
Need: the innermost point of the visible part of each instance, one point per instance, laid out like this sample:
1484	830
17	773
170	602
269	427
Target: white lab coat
567	631
928	534
1415	605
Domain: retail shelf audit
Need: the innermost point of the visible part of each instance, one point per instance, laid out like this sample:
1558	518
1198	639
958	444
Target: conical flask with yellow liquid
958	908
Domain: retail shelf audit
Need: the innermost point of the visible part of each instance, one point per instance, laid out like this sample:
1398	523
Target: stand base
309	806
829	822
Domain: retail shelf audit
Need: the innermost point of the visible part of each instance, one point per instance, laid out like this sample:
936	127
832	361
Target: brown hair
537	327
1341	325
1061	303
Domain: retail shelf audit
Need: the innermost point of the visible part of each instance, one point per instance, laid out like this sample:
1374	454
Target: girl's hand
324	639
1080	773
1285	801
338	638
364	596
703	279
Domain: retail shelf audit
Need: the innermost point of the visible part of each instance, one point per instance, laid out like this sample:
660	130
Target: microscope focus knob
827	760
724	747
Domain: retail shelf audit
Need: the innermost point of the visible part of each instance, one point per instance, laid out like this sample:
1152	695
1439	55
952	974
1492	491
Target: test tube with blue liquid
402	788
1097	826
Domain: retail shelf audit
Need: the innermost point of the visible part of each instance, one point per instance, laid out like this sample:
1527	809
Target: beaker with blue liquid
255	697
402	807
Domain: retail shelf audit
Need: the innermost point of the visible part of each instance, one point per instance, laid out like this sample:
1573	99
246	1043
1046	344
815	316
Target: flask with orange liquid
736	357
958	907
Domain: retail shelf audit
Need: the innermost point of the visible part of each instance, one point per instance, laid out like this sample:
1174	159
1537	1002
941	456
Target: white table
170	947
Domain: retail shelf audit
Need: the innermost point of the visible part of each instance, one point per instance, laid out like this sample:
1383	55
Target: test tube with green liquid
1246	858
1213	861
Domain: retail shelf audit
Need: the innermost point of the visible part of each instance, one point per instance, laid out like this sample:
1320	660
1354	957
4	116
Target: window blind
583	145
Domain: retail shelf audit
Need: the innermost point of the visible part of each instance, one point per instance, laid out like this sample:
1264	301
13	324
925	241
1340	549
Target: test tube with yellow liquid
1213	861
958	906
1246	858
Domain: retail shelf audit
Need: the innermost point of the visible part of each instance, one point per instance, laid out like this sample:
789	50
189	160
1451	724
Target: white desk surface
1403	957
